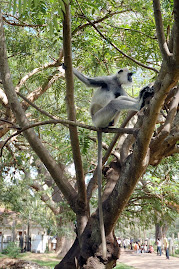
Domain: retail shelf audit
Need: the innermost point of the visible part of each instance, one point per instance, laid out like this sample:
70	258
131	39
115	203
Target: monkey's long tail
99	175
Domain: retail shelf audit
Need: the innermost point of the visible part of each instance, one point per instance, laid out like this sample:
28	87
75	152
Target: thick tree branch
45	198
165	130
160	31
56	63
176	31
165	147
42	89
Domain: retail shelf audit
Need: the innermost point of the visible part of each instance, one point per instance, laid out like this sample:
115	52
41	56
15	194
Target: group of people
144	248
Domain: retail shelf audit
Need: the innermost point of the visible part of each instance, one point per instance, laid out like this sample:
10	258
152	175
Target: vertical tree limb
160	31
82	200
176	31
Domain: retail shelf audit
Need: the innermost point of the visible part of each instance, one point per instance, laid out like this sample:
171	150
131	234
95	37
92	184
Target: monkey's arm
94	82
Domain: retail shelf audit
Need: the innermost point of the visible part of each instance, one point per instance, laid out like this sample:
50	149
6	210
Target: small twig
132	30
107	16
22	24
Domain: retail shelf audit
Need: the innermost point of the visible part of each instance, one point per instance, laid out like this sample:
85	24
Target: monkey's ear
120	71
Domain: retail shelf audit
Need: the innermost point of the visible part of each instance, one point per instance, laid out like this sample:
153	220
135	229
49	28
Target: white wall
39	243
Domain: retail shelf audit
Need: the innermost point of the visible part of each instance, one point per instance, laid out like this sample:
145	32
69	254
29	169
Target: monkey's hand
63	66
146	94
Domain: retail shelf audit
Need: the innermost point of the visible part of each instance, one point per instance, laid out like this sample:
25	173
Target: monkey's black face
129	76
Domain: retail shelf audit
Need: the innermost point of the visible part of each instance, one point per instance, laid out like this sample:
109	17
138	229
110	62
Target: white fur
110	97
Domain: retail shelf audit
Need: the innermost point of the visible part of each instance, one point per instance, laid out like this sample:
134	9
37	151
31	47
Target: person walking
159	250
165	243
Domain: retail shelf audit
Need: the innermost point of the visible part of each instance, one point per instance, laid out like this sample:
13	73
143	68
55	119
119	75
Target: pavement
148	260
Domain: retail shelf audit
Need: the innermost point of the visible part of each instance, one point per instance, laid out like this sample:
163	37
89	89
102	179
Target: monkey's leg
104	116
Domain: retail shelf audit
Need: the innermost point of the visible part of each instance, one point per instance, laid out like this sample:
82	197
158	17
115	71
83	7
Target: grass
50	264
123	266
2	255
47	259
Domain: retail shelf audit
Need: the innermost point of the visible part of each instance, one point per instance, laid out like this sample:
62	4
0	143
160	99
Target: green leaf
20	6
24	5
55	22
60	13
36	2
51	28
61	3
66	1
10	5
29	3
14	7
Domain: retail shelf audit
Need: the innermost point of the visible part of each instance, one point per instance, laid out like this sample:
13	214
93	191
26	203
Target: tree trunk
90	256
158	232
63	245
70	259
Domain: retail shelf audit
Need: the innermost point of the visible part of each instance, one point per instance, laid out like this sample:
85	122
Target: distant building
28	235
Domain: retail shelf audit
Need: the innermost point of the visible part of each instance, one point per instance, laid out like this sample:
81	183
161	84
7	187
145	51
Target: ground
147	260
129	258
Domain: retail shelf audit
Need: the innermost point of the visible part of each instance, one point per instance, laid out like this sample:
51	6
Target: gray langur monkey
110	97
107	102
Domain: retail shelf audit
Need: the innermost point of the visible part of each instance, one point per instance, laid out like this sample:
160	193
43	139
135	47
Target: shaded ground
7	263
28	260
147	260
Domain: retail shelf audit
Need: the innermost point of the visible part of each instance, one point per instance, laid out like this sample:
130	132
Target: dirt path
148	260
